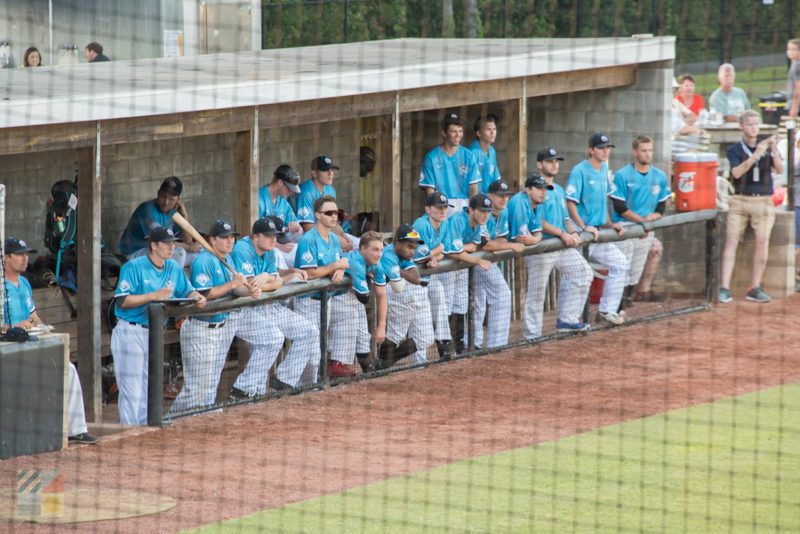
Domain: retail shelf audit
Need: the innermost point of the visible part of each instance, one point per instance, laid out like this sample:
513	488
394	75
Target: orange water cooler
695	182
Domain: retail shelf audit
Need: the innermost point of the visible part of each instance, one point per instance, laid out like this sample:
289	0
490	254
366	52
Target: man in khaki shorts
752	163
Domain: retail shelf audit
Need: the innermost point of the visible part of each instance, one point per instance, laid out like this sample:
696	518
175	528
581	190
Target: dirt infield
226	465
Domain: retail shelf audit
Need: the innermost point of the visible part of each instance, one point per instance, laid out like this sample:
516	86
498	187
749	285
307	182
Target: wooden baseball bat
187	227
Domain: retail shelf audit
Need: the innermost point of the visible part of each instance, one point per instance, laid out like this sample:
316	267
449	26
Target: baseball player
349	333
576	273
467	232
409	310
450	168
320	255
158	212
20	311
205	340
255	256
587	193
321	183
272	201
143	280
490	288
640	194
433	228
485	127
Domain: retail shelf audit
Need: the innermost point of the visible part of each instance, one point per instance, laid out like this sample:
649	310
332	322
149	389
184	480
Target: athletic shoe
725	295
757	295
339	370
648	296
240	395
571	327
610	318
83	438
279	385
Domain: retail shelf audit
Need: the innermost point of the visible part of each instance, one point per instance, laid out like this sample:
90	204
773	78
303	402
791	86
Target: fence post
324	298
712	259
471	310
791	137
155	364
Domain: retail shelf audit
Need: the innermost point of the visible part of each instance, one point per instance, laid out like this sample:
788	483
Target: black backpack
61	224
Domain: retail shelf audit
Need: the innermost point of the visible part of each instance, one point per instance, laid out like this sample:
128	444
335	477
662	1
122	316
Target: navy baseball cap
14	245
19	335
289	176
406	232
600	140
266	226
160	234
449	119
172	185
222	229
500	187
322	163
534	180
548	153
480	202
438	199
278	222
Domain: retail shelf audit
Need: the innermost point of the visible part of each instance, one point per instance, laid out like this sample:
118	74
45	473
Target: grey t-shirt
792	76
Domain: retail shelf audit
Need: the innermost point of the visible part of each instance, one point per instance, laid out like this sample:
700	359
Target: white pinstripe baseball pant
409	316
265	341
130	349
492	293
440	307
301	363
609	255
635	251
456	284
576	277
348	328
338	309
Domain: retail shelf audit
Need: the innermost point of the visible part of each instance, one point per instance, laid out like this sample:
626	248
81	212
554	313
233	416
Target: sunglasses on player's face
330	213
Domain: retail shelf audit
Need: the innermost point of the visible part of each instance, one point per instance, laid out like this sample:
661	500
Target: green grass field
729	466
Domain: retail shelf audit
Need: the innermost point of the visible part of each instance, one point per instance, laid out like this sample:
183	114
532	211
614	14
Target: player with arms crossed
143	280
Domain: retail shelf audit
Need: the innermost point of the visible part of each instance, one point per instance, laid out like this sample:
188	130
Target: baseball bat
189	229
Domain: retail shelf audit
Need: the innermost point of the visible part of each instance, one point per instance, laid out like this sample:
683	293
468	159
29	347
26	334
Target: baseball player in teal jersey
143	280
587	193
272	201
491	290
19	311
409	310
349	333
450	168
576	273
320	255
255	256
485	155
467	232
158	212
640	194
434	230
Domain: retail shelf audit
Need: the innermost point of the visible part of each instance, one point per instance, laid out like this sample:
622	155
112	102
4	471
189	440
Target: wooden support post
515	170
247	180
88	258
389	169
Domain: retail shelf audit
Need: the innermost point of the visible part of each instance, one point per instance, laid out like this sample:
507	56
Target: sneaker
648	296
83	438
757	295
240	395
725	295
339	370
279	385
610	318
561	326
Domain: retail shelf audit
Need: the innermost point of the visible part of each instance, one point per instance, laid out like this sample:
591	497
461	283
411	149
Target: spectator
687	96
32	58
728	100
793	77
682	118
93	52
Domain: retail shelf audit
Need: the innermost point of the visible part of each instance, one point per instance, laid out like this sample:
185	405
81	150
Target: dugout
223	122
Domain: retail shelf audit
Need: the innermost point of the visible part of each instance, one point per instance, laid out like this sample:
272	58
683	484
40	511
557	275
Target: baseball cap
548	153
289	176
406	232
438	199
600	140
500	187
534	180
18	335
14	245
222	229
480	202
278	222
451	118
160	234
322	163
172	185
266	226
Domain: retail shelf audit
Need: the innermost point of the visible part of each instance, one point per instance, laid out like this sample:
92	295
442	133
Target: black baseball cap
438	199
222	229
289	176
406	232
548	153
18	335
534	180
14	245
500	187
600	140
278	222
451	118
160	234
266	226
322	163
172	185
480	202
